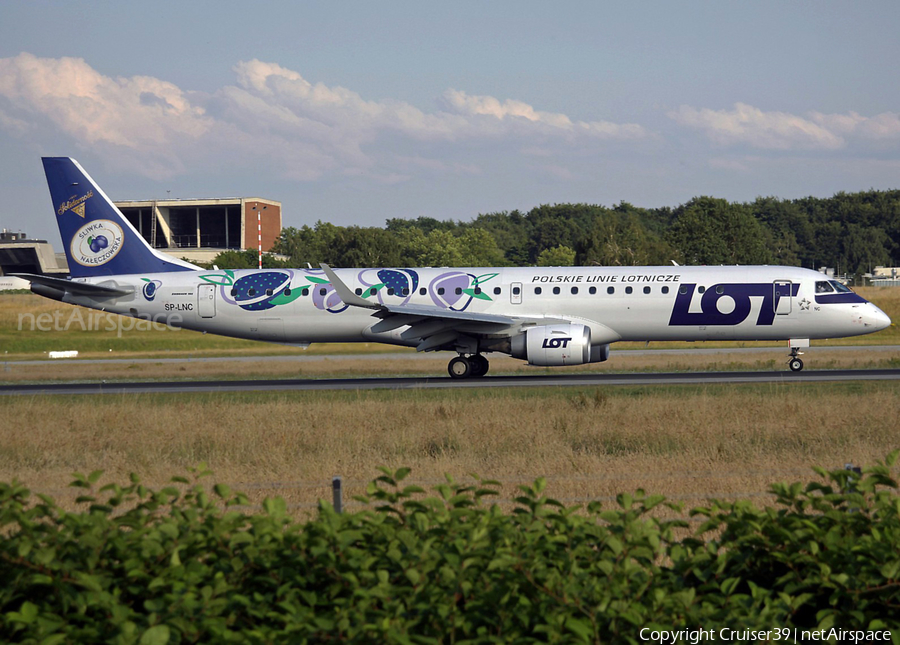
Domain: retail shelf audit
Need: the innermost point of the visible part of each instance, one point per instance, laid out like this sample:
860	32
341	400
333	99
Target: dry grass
434	365
590	443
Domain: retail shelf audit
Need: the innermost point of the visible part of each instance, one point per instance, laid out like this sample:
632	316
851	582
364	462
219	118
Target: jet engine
552	345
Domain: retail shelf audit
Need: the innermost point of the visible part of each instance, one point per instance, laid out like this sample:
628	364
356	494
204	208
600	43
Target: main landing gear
794	362
472	366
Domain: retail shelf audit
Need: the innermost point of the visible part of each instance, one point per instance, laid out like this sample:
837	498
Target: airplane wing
434	327
75	288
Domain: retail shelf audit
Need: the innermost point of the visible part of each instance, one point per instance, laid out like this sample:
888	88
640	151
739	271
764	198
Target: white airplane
545	316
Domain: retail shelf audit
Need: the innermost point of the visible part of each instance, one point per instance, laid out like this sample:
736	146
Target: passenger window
252	292
373	291
592	290
629	290
233	292
405	291
701	289
497	291
390	291
682	289
458	291
287	292
422	291
440	291
646	289
720	289
305	292
610	289
358	291
537	291
323	291
477	290
574	291
268	292
665	289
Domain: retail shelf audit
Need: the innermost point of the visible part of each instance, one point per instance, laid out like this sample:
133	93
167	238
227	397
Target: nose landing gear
794	362
473	366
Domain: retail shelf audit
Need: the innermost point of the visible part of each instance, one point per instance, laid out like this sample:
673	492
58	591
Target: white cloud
270	116
751	126
516	113
884	126
140	114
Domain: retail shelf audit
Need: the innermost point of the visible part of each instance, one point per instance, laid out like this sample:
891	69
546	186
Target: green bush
181	565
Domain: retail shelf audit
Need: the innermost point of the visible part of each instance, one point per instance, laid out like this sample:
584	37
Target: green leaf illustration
283	299
484	278
480	294
221	280
368	290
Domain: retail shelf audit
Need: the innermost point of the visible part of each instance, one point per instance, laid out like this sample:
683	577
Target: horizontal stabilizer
74	288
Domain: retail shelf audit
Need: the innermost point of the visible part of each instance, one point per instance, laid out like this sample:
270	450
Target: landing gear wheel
480	365
460	367
795	364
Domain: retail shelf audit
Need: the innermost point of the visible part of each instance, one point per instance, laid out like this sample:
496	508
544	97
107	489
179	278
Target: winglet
345	292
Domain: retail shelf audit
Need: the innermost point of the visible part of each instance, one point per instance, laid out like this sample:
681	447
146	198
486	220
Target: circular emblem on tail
96	242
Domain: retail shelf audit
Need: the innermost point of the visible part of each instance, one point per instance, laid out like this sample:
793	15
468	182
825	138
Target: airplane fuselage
297	306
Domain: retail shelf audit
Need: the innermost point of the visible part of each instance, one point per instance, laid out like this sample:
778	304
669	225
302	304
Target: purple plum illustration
98	243
250	292
453	284
330	300
399	280
150	289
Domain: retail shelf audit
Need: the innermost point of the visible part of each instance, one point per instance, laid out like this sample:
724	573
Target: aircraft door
515	293
783	300
206	300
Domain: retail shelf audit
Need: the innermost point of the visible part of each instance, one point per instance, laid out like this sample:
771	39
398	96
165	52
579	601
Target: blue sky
354	112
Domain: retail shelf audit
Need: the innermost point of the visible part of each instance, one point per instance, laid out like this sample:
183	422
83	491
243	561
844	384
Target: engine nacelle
553	345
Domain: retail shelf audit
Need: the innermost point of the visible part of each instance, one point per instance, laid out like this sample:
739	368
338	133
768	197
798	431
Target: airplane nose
877	318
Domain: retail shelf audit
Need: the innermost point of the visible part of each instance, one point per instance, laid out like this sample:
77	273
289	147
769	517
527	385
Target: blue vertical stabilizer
97	238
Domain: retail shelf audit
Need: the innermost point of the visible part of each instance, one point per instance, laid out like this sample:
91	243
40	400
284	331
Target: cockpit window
824	287
839	287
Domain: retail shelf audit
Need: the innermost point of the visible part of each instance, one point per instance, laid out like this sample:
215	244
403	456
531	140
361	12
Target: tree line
852	232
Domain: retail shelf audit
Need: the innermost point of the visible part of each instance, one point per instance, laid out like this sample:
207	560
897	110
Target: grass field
685	442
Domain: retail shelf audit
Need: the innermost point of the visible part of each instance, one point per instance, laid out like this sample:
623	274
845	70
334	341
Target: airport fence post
851	483
337	493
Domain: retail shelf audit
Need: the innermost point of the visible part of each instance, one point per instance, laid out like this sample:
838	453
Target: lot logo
726	304
555	343
96	243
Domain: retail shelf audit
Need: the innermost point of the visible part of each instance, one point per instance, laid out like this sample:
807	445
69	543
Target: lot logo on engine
555	343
